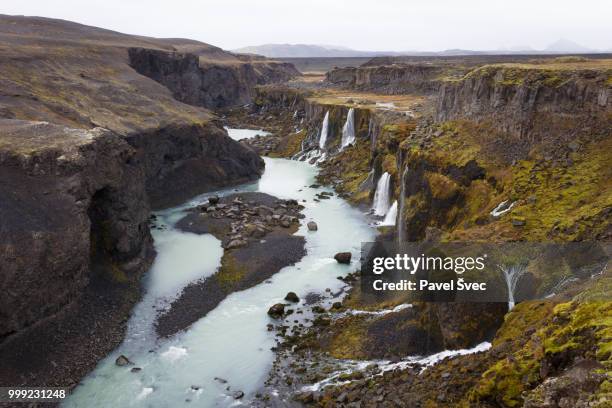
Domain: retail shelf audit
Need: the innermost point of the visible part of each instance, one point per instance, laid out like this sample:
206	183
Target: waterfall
401	229
502	208
372	133
348	131
391	216
381	196
324	129
512	274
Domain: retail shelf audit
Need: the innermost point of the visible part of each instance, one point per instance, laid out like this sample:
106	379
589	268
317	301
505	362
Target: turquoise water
231	342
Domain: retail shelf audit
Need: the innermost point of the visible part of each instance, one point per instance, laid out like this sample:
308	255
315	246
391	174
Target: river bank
196	357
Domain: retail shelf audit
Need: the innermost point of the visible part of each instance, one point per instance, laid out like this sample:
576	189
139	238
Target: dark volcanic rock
312	226
265	248
122	361
276	311
74	240
183	161
68	210
207	84
343	257
292	297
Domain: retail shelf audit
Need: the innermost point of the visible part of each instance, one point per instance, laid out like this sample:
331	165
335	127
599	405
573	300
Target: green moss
441	187
231	271
348	342
566	201
389	164
535	332
289	145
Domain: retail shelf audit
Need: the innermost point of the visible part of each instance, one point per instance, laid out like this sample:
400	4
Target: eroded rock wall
211	85
530	103
181	161
389	79
69	210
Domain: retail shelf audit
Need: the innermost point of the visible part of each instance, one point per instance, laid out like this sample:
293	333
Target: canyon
88	147
468	153
109	145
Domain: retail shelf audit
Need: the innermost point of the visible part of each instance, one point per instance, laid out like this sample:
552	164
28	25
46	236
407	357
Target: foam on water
239	134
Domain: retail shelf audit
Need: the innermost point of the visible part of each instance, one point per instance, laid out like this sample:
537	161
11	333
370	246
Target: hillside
88	145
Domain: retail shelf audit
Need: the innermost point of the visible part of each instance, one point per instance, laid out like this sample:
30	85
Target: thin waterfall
348	130
391	216
382	195
401	229
512	274
324	130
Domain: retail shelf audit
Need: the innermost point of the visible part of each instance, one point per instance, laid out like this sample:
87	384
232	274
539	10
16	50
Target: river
232	342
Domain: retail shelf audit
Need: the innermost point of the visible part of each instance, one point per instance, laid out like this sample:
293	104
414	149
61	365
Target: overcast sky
360	24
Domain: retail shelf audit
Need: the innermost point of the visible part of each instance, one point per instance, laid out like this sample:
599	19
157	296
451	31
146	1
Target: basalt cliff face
392	79
208	84
530	102
74	205
183	160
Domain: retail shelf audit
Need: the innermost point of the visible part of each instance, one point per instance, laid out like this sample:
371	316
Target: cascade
381	196
512	274
324	129
348	131
391	216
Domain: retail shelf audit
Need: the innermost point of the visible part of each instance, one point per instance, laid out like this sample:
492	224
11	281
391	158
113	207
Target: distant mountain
562	46
306	51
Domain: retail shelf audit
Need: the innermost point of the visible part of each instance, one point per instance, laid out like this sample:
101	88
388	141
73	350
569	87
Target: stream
228	350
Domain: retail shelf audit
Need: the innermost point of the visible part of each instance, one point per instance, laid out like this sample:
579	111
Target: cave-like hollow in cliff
101	239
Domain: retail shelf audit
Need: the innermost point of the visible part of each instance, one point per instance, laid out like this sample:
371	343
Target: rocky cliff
516	152
208	84
74	205
390	79
529	101
87	146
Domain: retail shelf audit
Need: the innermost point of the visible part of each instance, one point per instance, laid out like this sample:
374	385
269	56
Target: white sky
423	25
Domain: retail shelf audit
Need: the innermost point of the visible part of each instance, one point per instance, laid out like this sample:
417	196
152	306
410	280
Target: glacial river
231	342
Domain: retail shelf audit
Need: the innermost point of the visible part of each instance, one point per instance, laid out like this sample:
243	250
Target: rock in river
122	361
292	297
312	226
276	311
343	257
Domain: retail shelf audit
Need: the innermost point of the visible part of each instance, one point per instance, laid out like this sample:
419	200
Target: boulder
122	361
213	199
343	257
277	311
312	226
238	394
292	297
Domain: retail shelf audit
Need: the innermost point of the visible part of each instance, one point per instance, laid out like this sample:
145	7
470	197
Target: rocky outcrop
181	161
257	231
204	83
73	206
389	79
86	145
529	102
